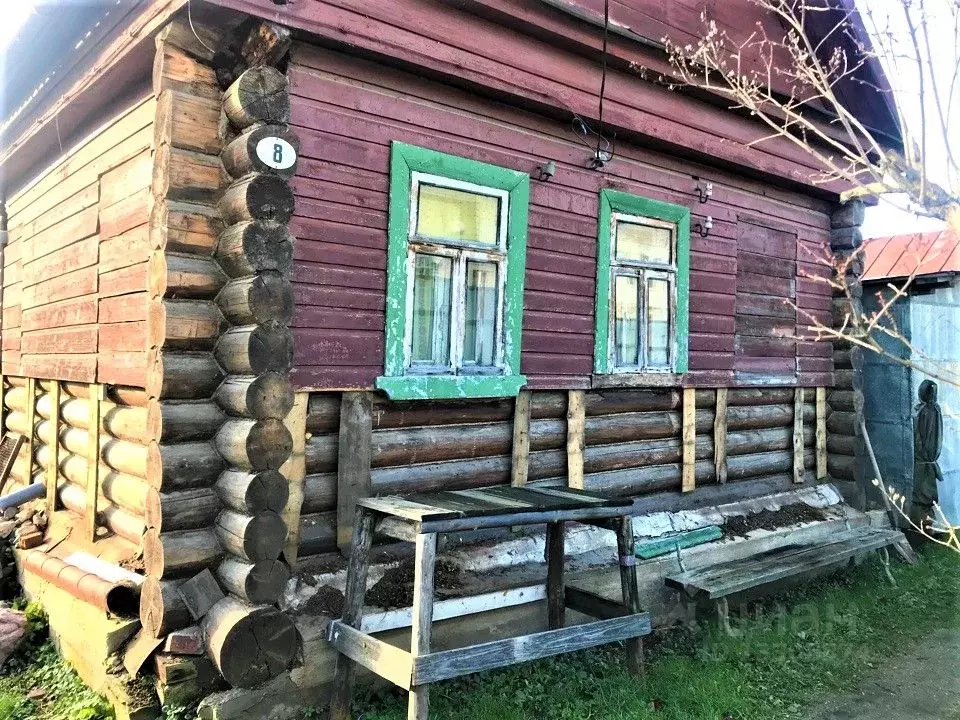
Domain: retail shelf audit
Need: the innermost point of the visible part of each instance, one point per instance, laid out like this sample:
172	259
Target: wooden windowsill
627	380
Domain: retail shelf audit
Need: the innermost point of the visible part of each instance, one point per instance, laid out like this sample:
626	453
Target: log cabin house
263	259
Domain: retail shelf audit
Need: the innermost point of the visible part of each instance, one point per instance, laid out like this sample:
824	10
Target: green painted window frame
615	201
404	161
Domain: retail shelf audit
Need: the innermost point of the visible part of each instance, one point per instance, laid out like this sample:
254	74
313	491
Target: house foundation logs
846	451
633	445
218	327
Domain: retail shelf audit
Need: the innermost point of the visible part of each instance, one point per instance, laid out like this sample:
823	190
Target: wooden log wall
66	455
183	326
348	110
632	445
220	304
845	399
75	269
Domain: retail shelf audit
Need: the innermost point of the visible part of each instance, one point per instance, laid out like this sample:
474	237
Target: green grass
37	667
804	645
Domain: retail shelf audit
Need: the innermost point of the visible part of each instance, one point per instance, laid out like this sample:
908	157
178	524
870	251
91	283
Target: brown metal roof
901	256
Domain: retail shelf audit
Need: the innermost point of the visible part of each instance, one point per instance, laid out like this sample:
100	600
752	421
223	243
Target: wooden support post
798	435
3	384
353	460
53	470
689	439
93	466
352	612
295	470
519	467
576	422
418	704
628	588
720	436
556	557
31	425
821	433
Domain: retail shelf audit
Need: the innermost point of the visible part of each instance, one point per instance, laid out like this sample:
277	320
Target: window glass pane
480	314
627	320
457	215
658	322
643	243
431	310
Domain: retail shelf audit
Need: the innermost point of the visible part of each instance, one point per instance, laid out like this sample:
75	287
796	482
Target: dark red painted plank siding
347	111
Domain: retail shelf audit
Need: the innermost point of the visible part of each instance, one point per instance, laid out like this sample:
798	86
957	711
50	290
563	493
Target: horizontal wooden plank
80	254
79	368
122	368
131	279
63	340
124	336
76	227
124	308
68	285
126	214
320	317
448	664
126	178
127	248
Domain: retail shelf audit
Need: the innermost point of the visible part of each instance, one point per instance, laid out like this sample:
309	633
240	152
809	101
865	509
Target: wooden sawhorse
419	519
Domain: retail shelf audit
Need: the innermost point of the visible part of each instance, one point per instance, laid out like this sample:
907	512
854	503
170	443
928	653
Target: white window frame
643	271
460	253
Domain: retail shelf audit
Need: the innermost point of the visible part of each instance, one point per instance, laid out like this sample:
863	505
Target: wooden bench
419	519
718	582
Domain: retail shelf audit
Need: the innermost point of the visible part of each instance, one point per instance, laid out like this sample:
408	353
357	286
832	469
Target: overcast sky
885	219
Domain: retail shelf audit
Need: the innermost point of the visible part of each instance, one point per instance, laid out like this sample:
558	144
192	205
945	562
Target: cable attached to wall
603	152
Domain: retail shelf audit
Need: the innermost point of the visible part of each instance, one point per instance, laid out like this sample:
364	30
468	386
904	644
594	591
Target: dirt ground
922	684
771	519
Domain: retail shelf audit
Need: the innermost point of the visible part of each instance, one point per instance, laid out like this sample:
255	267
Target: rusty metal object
117	598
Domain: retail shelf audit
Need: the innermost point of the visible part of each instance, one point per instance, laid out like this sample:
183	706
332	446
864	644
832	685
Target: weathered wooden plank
720	435
93	468
31	424
500	653
576	423
382	658
821	432
556	560
53	469
729	578
689	439
627	562
422	617
350	641
353	460
295	471
519	467
798	444
592	604
200	593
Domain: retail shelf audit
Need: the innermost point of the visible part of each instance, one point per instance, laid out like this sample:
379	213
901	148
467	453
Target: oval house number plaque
276	153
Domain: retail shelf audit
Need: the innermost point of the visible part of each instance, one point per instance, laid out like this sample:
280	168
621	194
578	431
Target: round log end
271	298
266	581
270	396
260	94
269	444
258	197
271	149
253	492
249	644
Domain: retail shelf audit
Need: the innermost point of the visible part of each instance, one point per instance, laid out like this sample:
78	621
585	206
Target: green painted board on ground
671	543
